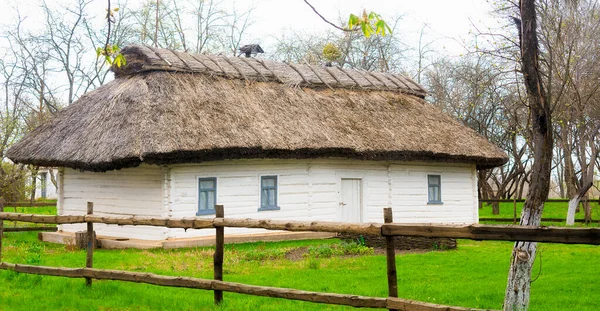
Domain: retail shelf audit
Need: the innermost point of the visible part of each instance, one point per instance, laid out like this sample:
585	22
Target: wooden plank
475	232
265	291
42	219
185	223
218	256
314	226
28	204
543	219
390	252
412	305
91	236
497	232
29	229
188	282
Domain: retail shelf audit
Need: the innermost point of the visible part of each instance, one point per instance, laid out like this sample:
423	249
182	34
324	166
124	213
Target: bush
341	249
13	182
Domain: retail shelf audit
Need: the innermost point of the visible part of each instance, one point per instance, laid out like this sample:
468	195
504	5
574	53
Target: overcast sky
448	22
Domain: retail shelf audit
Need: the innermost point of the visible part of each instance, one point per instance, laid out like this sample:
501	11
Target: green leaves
112	55
369	24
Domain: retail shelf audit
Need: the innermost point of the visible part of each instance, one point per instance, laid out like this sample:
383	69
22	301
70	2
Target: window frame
200	212
276	188
439	185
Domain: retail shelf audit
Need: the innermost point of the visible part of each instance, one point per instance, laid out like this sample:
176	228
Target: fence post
1	226
218	257
89	260
390	251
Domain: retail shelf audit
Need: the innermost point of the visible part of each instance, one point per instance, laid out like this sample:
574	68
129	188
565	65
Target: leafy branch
369	24
110	52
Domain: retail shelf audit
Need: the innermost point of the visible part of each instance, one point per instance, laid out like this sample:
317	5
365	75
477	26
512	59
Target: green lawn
551	210
474	275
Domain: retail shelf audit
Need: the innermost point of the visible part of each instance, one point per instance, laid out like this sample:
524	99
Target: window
434	186
207	195
268	193
43	182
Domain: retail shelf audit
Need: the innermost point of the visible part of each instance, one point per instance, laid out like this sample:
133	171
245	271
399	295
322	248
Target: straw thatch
170	107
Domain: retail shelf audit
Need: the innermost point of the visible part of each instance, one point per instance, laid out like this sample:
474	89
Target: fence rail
189	282
543	219
474	232
29	204
29	229
523	200
387	229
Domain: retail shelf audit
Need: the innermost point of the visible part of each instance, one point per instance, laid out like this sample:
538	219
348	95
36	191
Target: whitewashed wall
132	191
307	190
310	190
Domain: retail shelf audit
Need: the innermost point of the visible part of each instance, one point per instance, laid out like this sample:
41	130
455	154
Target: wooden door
351	205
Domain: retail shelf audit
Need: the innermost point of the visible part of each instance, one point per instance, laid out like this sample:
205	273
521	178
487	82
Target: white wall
310	190
307	190
132	191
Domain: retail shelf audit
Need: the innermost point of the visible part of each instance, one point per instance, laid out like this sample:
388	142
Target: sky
448	22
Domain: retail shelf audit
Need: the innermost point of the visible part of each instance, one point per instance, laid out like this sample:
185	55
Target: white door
350	206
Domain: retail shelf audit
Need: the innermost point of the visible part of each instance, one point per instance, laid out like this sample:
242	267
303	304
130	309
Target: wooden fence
388	229
15	228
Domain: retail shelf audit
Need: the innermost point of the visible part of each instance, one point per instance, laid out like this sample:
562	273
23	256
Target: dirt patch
403	242
296	254
381	251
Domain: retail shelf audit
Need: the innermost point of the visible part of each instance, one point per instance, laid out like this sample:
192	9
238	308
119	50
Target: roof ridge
145	58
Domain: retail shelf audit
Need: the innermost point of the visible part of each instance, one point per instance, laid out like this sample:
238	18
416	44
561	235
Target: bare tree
524	253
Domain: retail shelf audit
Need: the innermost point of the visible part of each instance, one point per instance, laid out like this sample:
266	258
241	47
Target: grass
551	210
474	275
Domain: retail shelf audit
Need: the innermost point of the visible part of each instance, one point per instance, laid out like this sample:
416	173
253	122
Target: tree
524	253
483	97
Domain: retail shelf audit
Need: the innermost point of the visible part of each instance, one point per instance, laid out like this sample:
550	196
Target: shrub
13	182
341	249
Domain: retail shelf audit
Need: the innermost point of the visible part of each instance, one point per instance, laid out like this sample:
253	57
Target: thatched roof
171	107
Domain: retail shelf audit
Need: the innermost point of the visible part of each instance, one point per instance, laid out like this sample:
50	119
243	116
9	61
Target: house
44	186
176	133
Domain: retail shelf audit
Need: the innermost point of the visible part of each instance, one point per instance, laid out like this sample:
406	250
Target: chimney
250	50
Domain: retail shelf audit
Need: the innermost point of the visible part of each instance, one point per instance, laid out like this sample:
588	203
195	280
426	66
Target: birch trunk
573	203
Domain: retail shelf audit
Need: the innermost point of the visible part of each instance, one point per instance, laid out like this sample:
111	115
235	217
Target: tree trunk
573	203
586	182
495	208
588	211
53	178
523	255
34	176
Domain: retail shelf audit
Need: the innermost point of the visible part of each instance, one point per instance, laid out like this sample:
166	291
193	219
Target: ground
474	275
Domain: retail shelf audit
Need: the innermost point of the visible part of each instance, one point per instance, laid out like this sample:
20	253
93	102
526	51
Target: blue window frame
434	189
207	195
268	193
